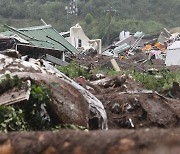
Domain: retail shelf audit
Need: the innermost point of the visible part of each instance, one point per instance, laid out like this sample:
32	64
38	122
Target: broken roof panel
131	39
44	37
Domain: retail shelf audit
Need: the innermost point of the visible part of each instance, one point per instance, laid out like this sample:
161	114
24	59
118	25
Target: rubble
79	40
145	107
15	95
65	109
110	93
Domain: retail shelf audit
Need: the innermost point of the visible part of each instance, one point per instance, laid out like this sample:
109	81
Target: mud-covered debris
70	102
107	82
146	108
16	94
116	108
175	91
98	76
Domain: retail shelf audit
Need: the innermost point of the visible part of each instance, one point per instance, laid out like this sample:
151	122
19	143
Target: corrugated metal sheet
44	37
130	40
55	60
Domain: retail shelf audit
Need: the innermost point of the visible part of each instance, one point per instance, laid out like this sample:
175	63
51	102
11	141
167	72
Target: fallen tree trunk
98	142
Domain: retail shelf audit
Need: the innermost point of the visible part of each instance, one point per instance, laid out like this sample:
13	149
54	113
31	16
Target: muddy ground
130	106
127	104
145	121
136	62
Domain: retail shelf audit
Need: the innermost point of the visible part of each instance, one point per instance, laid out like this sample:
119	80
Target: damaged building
40	41
119	87
79	40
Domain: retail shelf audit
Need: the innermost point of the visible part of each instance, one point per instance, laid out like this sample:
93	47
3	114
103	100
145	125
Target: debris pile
70	103
129	105
47	82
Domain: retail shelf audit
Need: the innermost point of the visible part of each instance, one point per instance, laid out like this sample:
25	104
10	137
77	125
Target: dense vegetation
149	16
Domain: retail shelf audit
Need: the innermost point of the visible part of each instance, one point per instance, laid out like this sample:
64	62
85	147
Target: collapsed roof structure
44	38
128	42
96	101
79	40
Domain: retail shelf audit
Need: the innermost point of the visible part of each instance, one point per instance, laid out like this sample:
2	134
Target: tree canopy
149	16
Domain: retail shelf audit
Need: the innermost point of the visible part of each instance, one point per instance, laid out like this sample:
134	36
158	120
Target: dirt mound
138	62
128	105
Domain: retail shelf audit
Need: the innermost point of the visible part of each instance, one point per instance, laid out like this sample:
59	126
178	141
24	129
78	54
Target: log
98	142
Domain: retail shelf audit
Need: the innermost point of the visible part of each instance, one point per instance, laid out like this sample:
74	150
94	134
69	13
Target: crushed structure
79	40
104	96
38	41
70	103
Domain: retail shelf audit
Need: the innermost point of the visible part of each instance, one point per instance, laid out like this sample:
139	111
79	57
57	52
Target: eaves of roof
44	37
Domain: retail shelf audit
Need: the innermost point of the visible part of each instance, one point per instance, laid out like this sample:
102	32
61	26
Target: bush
28	115
88	18
157	81
74	70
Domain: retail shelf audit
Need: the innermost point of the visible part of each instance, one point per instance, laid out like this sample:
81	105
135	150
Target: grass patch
73	70
157	81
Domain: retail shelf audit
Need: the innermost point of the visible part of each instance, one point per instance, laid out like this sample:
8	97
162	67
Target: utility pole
111	13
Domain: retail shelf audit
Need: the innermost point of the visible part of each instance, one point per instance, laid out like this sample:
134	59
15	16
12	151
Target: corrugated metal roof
44	37
130	40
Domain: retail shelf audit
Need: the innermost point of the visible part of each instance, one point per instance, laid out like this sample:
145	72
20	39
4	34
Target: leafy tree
148	16
88	18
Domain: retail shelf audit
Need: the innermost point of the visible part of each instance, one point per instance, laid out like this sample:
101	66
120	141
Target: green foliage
148	16
157	81
88	18
11	119
34	109
74	70
28	115
9	82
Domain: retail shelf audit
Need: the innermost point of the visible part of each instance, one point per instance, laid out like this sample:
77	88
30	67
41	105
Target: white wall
172	57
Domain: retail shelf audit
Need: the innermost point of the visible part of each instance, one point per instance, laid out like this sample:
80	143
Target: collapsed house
34	48
79	40
163	47
40	41
128	43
